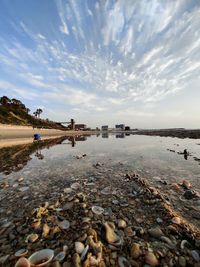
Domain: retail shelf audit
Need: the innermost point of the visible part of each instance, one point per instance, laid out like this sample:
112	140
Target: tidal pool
68	158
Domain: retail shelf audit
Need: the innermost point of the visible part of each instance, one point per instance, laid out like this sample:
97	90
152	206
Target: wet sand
15	135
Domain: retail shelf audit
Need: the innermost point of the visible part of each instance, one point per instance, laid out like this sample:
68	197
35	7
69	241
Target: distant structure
71	123
120	126
127	128
80	126
104	128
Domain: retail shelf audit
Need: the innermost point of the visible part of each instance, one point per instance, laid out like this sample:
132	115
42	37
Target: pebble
135	250
32	238
64	224
111	236
97	210
155	232
195	255
151	259
24	188
121	223
182	261
79	247
176	220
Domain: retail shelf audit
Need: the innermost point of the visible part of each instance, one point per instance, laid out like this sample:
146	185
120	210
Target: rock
32	238
24	188
135	250
60	256
195	255
64	224
97	210
55	264
121	223
189	194
79	247
111	236
151	259
155	232
76	260
182	261
186	184
67	264
176	220
196	215
3	259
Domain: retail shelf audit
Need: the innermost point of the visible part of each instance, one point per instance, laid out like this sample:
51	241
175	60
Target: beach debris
32	238
60	256
41	257
79	247
23	262
97	210
64	225
21	253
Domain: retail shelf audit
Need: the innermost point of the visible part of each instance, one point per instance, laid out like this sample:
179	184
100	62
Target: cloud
134	53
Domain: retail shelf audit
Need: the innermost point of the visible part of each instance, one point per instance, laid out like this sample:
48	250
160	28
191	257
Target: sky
104	62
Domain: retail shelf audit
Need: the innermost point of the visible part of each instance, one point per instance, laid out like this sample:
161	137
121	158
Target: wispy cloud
105	55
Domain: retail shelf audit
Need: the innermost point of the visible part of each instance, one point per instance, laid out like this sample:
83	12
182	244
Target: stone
135	250
195	255
121	224
155	232
151	259
176	220
79	247
182	261
111	236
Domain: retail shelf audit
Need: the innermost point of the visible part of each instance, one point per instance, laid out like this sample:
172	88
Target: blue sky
104	61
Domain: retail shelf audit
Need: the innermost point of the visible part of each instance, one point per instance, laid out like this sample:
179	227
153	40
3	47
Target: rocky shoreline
180	133
110	218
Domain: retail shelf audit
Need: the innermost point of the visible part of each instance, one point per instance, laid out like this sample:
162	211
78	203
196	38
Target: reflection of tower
72	124
72	140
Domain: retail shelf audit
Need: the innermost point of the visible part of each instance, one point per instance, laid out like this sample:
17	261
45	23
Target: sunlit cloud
102	56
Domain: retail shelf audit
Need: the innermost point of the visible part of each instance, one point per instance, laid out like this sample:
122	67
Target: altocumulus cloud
114	59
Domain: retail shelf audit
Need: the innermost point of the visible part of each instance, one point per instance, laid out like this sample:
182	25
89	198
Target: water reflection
105	135
120	135
14	158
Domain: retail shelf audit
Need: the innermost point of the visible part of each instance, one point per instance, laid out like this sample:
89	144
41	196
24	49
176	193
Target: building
120	127
104	128
127	128
80	126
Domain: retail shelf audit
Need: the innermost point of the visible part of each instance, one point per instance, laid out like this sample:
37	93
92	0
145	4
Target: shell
31	238
20	253
37	258
97	210
176	220
84	253
75	186
64	224
60	256
79	247
22	262
46	230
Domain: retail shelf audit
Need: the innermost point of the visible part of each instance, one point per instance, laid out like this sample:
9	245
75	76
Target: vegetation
13	111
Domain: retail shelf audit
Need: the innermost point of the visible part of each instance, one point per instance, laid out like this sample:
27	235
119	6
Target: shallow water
146	155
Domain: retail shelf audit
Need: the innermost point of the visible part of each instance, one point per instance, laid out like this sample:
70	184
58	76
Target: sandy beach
16	135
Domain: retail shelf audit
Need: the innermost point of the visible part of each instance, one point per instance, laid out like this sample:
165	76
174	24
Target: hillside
16	113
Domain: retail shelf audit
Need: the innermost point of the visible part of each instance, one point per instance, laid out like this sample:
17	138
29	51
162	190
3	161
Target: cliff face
12	114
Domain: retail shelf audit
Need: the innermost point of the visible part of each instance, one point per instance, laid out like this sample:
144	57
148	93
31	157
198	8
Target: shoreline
16	135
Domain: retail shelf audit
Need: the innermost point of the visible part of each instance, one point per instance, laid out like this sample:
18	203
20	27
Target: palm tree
38	112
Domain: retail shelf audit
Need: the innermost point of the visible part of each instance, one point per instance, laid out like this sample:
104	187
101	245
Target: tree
4	100
38	112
